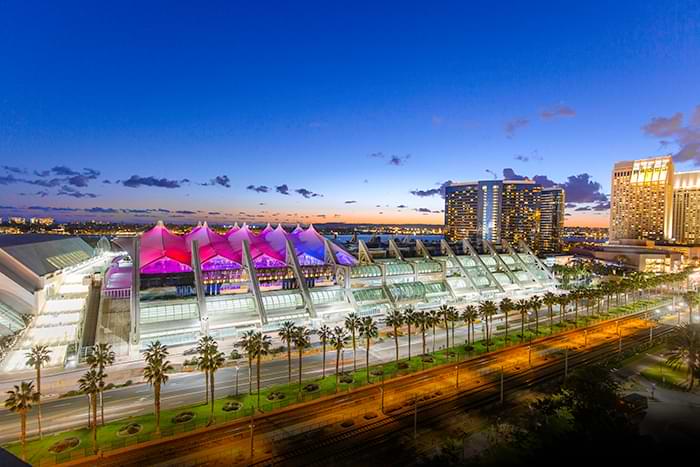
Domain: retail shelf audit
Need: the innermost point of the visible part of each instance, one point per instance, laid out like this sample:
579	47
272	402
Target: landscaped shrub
402	365
427	359
64	445
128	430
231	406
183	417
346	379
376	372
311	387
275	396
71	393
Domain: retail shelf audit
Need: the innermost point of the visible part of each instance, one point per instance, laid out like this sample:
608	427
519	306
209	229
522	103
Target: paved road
188	388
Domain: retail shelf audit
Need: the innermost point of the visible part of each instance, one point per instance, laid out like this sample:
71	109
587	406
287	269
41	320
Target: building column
135	309
199	287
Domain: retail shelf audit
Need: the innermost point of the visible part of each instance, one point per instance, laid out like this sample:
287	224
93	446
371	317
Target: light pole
382	388
415	417
501	384
237	368
252	433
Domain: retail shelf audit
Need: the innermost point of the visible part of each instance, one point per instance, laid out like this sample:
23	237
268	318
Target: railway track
384	431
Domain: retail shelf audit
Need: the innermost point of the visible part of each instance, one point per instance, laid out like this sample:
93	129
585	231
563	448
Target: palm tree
261	348
90	384
395	320
409	317
101	357
338	340
536	304
37	357
453	317
469	316
421	319
324	334
549	299
301	339
204	348
486	310
216	360
156	373
286	333
523	306
248	343
368	330
433	319
352	322
444	312
685	350
506	306
20	401
562	300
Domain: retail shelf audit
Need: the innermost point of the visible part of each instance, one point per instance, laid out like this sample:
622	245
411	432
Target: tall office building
642	197
552	202
686	207
511	210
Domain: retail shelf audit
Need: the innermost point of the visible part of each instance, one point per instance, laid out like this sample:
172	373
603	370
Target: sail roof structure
164	252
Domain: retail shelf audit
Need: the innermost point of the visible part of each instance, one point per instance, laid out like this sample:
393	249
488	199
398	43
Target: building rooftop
45	254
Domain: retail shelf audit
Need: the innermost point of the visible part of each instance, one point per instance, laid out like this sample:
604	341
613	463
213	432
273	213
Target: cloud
569	205
220	180
557	111
15	170
686	138
42	173
398	160
583	208
185	212
432	191
136	181
509	174
70	191
63	171
582	189
514	125
106	181
307	193
401	206
259	188
214	213
79	181
41	194
423	210
282	189
601	206
394	159
352	201
100	210
544	181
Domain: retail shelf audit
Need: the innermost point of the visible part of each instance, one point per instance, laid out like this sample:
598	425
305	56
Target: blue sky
354	101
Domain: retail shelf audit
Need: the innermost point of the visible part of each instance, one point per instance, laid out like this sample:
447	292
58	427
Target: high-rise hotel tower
511	210
651	201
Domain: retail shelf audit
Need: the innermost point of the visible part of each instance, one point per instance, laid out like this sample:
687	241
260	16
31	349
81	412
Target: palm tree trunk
367	359
522	327
156	390
23	434
396	343
102	406
250	375
505	339
94	422
257	371
211	388
289	362
337	363
409	342
447	339
537	321
38	401
206	386
301	354
423	334
453	334
323	372
354	352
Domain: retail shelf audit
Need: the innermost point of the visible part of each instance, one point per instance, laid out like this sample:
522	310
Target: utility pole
415	417
252	433
501	384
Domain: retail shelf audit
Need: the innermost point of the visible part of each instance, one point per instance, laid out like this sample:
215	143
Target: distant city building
510	210
41	220
686	207
552	201
650	201
18	220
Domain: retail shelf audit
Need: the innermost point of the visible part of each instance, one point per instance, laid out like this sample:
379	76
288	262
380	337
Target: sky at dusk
334	111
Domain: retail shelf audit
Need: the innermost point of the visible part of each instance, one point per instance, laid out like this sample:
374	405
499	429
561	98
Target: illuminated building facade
176	288
686	207
642	196
495	211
